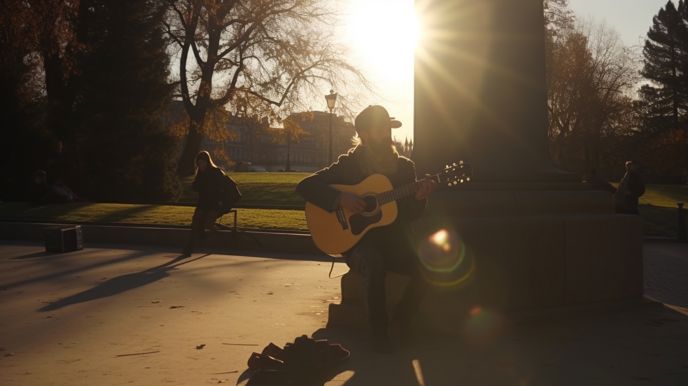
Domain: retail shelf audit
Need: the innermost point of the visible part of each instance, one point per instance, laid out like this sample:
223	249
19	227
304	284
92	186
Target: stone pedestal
352	310
479	90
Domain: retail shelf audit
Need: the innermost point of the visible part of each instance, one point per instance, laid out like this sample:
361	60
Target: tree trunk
685	152
59	97
187	161
197	113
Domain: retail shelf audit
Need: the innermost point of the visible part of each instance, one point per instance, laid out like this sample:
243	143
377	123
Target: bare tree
591	75
558	17
254	56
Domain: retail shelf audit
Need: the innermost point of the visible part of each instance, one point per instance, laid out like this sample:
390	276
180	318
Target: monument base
515	261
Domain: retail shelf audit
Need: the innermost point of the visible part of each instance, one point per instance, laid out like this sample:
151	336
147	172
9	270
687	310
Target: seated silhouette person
217	194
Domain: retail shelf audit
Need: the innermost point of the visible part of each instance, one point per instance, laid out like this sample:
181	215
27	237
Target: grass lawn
659	211
107	213
276	190
260	189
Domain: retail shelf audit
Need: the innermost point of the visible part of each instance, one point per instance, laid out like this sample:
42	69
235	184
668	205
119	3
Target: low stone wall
223	240
522	263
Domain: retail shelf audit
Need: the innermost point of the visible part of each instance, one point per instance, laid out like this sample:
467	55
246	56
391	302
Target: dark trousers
202	219
374	256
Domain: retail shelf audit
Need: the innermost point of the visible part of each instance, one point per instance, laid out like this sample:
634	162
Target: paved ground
666	273
114	315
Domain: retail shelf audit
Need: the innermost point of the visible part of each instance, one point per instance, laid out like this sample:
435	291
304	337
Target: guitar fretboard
452	175
398	193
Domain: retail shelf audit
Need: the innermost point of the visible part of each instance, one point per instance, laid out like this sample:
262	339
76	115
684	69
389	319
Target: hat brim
394	124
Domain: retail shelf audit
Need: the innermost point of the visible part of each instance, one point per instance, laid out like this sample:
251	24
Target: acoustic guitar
340	230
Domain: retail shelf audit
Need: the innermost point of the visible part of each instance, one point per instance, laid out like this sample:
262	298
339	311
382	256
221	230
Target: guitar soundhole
371	215
359	222
371	205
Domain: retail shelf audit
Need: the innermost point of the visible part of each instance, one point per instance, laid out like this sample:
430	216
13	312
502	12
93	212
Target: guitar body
337	232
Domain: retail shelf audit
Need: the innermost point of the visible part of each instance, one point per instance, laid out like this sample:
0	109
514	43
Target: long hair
204	155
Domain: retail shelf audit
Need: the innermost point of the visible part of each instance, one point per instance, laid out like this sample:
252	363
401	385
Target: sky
630	18
382	43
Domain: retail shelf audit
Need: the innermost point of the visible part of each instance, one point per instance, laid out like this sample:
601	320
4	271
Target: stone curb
220	241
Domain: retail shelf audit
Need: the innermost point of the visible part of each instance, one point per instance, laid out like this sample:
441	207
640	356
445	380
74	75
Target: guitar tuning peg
468	179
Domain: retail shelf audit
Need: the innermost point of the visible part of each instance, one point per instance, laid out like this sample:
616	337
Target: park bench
233	212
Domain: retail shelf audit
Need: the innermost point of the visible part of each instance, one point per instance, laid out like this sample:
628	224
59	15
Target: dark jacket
350	169
208	184
630	189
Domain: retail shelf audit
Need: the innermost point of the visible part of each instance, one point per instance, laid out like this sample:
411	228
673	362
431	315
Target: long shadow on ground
66	272
121	284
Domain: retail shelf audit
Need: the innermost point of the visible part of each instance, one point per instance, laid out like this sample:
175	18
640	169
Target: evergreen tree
666	66
683	59
124	97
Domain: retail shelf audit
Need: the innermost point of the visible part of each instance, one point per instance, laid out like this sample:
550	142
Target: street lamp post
331	98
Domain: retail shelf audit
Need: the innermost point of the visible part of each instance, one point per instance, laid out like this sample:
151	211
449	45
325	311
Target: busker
383	249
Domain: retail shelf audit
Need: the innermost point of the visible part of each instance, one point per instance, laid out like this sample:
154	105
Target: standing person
217	193
630	189
383	249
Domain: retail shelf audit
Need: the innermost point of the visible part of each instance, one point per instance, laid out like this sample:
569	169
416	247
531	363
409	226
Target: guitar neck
398	193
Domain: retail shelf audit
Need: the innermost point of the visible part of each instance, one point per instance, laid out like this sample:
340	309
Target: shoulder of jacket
406	161
349	156
217	172
354	152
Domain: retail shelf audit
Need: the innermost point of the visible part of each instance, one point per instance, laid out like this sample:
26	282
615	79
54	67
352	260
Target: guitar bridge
341	217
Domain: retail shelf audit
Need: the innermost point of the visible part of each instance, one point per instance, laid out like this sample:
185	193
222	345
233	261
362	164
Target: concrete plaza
119	314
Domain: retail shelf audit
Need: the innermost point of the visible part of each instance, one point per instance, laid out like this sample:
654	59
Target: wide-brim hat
375	117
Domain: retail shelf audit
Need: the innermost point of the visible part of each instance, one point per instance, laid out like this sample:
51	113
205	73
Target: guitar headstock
455	174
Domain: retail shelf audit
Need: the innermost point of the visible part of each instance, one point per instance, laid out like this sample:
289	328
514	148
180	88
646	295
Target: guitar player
387	248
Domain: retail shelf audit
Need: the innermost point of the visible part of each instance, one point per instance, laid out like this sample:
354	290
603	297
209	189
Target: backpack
229	194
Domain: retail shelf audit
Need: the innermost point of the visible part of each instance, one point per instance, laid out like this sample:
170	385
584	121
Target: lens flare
475	311
483	325
446	258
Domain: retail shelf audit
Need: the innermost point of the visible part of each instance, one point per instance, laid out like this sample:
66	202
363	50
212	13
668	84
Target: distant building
253	145
309	148
405	149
